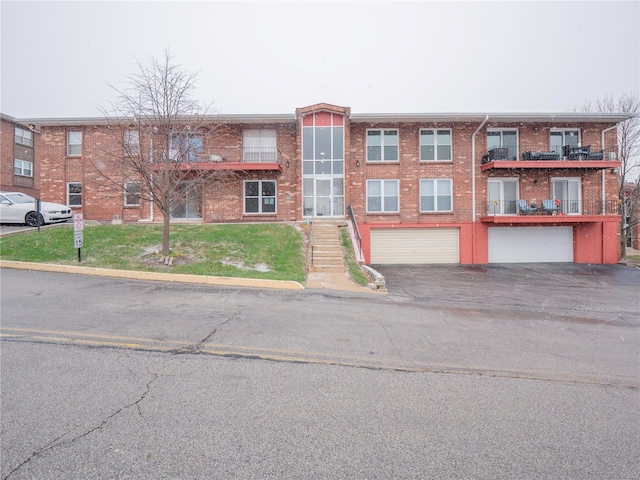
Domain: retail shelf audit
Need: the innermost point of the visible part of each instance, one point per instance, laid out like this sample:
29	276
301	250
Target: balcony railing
260	154
537	153
249	155
552	207
176	156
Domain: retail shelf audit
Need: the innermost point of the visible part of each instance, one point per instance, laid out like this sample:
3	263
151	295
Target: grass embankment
355	272
270	251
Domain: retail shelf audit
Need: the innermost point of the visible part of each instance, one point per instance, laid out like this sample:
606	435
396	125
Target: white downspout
603	170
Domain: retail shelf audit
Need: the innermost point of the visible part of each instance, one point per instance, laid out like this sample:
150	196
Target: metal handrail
311	240
356	230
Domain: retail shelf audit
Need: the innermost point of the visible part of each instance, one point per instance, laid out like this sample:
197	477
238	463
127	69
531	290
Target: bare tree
629	155
157	128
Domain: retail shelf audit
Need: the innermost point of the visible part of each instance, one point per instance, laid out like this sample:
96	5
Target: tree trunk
623	238
165	234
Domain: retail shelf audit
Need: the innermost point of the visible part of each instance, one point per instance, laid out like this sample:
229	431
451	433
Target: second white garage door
530	244
414	245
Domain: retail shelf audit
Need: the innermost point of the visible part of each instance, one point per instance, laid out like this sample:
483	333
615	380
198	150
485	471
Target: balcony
527	156
548	211
245	159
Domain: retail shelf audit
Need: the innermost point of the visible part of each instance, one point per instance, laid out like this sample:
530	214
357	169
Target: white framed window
259	196
22	167
436	195
259	146
502	144
74	194
131	194
131	142
24	136
382	145
568	191
383	196
74	144
502	196
182	146
561	137
435	145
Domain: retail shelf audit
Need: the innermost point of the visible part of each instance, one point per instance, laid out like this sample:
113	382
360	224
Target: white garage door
414	245
530	244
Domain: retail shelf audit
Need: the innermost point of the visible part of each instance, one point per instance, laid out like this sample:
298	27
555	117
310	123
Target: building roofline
237	118
495	117
356	118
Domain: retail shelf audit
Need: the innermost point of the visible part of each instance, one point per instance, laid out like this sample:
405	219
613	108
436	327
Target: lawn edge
154	276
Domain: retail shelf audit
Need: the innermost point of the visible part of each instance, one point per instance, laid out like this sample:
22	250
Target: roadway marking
305	357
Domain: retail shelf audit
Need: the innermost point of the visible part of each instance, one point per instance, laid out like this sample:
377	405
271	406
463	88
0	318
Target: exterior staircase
326	249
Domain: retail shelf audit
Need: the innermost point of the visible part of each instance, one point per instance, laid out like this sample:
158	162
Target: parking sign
78	223
77	239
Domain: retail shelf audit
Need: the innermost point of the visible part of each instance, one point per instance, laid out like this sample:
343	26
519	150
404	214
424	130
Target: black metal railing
260	154
176	156
552	207
356	230
565	152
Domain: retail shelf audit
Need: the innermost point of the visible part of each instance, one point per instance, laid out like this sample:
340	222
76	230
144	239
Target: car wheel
33	219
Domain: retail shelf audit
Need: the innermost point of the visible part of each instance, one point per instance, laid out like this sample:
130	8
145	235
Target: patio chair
524	208
550	206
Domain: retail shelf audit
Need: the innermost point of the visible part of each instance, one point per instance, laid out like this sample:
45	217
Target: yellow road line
307	357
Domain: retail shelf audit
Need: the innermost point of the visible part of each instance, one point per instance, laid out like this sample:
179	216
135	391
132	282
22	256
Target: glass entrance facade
323	165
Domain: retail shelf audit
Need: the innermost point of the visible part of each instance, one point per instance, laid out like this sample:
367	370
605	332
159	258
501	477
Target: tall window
185	146
74	194
383	196
24	137
323	150
558	138
502	196
22	167
131	194
567	190
74	144
503	143
259	146
131	143
260	196
382	145
435	145
436	195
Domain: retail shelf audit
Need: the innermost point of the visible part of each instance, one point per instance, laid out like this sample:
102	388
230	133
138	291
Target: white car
17	207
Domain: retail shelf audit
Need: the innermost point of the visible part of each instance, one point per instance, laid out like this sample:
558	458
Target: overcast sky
375	57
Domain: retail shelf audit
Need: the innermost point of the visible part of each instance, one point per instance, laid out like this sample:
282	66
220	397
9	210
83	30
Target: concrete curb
155	276
378	279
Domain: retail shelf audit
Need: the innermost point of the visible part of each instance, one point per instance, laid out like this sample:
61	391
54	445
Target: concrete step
327	269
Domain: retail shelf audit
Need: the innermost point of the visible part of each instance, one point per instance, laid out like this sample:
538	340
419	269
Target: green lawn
270	251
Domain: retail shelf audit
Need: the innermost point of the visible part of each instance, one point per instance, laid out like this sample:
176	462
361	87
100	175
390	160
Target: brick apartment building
422	188
19	171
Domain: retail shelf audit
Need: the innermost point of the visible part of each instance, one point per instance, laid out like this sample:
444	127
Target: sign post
78	226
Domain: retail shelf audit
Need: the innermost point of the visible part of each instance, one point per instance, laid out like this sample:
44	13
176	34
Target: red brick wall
409	170
103	183
102	199
9	151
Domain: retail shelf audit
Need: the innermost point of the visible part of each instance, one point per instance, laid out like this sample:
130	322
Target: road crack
195	348
56	443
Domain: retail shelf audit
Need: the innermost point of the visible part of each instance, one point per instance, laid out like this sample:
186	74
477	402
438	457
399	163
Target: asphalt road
105	378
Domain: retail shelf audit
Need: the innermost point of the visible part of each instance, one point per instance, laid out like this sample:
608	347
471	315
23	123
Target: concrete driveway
607	293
